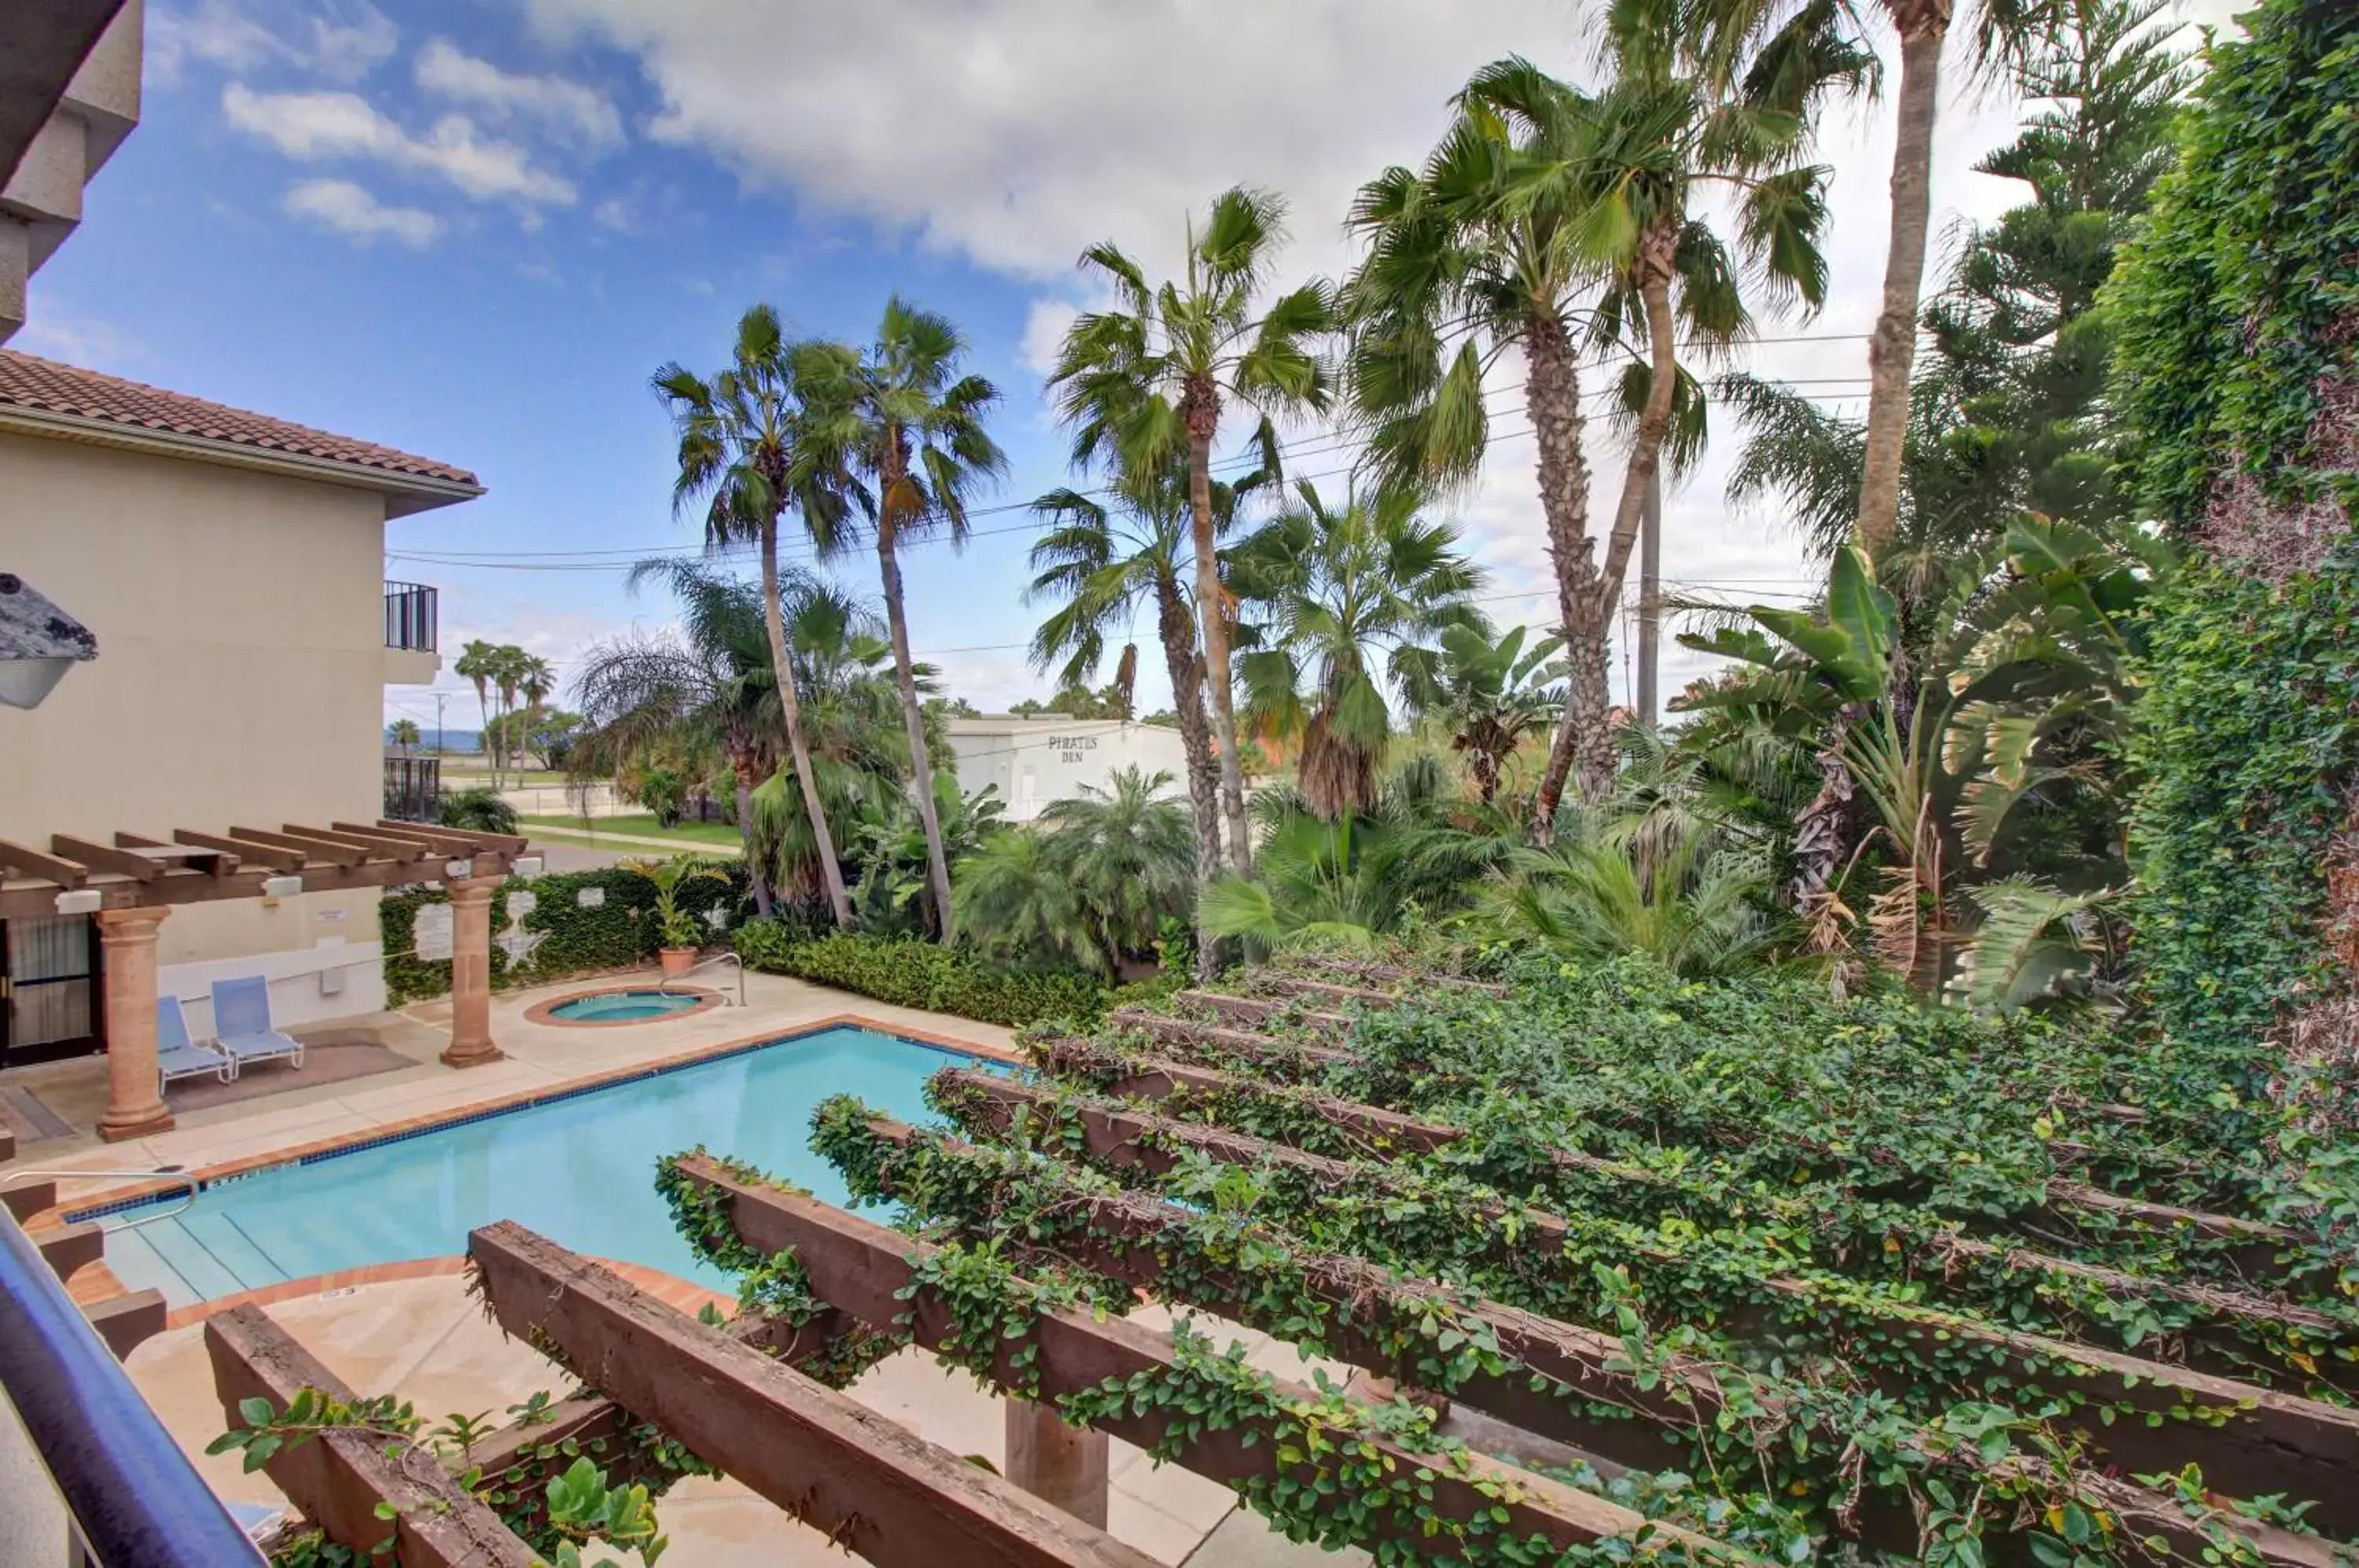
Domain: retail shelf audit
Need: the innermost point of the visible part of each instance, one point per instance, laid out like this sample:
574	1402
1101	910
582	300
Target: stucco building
1034	761
230	568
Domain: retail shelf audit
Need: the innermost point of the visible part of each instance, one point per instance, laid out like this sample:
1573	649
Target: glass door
49	988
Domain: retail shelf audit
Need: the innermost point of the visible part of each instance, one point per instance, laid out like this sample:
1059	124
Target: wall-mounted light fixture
281	887
527	866
81	901
458	870
39	643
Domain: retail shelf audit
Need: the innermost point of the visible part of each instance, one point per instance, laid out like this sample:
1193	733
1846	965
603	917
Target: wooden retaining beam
863	1268
1560	1371
1392	975
867	1483
338	1478
1258	1047
1256	1012
2250	1442
1385	1132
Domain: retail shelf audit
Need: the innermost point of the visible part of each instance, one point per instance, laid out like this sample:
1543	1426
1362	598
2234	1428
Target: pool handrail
187	1179
663	986
131	1492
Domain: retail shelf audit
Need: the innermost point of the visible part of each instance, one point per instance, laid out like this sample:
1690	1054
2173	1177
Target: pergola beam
374	844
106	857
867	1483
33	863
2250	1442
277	857
314	848
866	1269
495	843
341	1477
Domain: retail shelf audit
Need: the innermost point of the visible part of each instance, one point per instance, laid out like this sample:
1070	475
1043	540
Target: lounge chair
178	1055
241	1024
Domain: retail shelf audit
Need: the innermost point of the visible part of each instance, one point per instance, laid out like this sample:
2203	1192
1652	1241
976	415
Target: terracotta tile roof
27	382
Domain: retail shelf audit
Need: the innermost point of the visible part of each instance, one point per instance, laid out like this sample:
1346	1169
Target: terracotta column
135	1101
1059	1464
471	973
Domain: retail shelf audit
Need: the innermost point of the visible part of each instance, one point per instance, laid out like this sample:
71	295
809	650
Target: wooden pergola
133	882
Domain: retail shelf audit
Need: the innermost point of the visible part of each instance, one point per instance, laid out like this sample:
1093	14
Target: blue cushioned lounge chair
178	1055
241	1023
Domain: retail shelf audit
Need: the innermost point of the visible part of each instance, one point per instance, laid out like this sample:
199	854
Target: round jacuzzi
625	1005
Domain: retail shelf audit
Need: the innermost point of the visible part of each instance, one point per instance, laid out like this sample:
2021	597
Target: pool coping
113	1201
683	1295
545	1013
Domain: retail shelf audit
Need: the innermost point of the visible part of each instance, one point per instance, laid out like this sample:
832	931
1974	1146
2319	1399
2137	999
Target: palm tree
1104	562
507	674
737	456
1345	602
709	684
1126	853
899	431
1014	902
1148	379
477	662
1727	28
1494	692
535	679
1484	252
404	735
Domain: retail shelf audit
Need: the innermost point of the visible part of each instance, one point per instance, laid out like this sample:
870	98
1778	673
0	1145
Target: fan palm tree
1341	603
737	458
535	679
1723	31
508	665
1148	378
1105	562
475	664
899	433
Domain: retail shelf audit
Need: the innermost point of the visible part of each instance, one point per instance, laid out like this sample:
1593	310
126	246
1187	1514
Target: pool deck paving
410	1328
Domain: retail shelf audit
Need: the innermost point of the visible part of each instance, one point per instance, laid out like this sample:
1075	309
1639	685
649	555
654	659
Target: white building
1034	761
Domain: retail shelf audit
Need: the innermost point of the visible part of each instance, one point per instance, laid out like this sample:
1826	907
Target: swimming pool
579	1169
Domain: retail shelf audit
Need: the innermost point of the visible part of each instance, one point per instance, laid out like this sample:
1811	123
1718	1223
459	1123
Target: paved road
572	857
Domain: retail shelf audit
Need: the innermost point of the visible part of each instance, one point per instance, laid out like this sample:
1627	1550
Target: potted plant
680	930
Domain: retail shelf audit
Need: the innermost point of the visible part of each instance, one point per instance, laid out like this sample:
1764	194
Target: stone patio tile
1245	1541
1136	1522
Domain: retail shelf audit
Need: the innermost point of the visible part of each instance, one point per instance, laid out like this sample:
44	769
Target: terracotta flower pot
678	961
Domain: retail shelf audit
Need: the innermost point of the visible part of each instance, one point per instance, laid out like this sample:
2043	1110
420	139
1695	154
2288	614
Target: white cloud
579	114
1045	323
612	214
350	211
319	126
340	40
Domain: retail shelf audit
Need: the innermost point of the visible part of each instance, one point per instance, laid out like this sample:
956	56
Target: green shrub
619	934
919	974
479	810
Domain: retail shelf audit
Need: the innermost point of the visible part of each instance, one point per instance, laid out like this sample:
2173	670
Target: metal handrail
187	1180
132	1494
663	984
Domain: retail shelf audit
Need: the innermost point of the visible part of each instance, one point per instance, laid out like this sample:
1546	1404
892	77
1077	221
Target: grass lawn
641	825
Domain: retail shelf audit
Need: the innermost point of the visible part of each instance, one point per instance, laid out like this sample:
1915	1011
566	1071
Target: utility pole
1651	597
440	698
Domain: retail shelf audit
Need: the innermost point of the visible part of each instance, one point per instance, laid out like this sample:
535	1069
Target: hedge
619	934
912	973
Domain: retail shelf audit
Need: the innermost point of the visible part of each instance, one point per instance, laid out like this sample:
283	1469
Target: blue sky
471	230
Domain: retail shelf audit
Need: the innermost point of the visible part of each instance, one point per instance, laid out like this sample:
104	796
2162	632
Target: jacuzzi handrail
663	984
132	1492
187	1179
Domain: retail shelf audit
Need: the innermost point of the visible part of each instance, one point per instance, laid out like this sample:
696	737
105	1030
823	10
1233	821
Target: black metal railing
413	789
411	610
133	1495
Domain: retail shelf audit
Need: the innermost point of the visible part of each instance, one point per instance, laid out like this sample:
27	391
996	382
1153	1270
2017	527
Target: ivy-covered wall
619	934
2238	381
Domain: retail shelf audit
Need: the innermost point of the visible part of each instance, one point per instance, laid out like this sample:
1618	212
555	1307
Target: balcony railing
413	789
410	612
132	1495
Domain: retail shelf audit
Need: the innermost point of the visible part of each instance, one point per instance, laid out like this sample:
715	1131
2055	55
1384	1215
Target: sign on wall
431	932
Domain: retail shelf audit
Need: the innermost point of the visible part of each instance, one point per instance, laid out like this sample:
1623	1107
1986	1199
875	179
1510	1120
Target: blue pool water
580	1170
624	1006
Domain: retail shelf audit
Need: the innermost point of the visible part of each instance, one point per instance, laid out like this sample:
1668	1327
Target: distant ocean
466	741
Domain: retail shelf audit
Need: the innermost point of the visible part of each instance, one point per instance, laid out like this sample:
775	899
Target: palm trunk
1213	616
1892	352
822	840
1552	394
1178	633
1654	417
921	768
757	875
